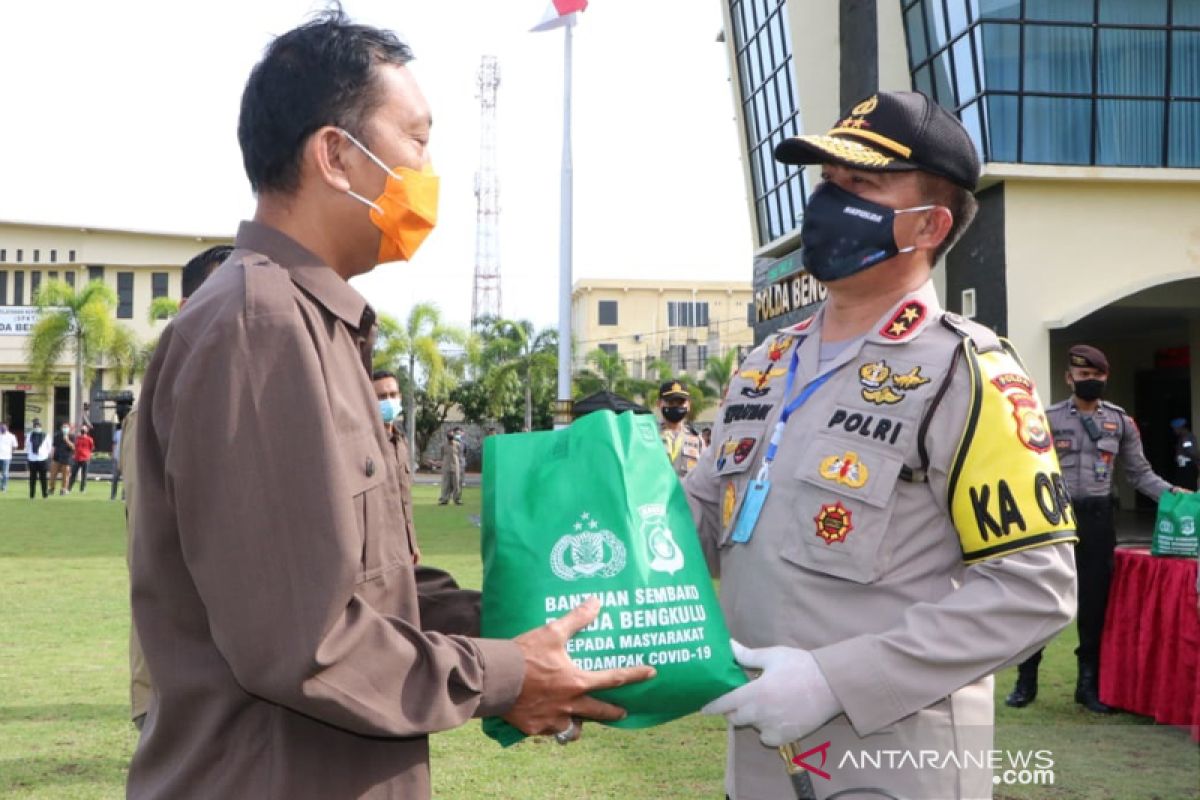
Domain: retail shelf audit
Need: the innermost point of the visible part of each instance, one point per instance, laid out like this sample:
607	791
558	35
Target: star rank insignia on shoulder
905	321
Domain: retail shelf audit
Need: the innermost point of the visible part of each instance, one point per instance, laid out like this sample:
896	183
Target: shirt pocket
1066	446
378	511
846	498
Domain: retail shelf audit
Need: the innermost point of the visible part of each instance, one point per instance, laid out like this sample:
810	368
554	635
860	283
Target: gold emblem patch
845	469
875	377
728	503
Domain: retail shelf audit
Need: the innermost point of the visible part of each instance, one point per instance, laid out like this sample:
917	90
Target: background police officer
1090	435
683	444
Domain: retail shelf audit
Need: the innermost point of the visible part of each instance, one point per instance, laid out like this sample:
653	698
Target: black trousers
1093	567
37	471
76	468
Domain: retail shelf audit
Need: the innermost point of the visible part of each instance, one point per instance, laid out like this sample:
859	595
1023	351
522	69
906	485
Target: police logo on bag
665	555
589	553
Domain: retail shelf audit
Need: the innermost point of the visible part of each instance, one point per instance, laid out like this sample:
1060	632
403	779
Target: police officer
683	444
1090	434
452	455
882	499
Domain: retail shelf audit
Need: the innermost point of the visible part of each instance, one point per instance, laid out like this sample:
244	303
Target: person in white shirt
37	454
8	443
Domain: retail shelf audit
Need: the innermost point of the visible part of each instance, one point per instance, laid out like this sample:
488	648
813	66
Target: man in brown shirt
274	586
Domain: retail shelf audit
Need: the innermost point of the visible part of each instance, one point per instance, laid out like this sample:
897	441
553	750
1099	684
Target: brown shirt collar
308	272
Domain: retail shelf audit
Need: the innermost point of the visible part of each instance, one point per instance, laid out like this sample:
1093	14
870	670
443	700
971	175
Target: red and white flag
559	13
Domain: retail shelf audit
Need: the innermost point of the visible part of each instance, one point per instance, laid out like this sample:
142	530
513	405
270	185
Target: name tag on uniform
756	495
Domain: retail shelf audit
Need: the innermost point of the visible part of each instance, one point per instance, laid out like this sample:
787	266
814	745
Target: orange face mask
406	212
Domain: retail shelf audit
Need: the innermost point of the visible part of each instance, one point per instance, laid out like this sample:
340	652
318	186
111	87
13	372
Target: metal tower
485	301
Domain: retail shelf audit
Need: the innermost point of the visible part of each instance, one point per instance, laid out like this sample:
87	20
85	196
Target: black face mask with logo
844	234
1089	390
674	413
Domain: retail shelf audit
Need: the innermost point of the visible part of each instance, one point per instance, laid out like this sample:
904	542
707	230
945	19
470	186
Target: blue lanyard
805	393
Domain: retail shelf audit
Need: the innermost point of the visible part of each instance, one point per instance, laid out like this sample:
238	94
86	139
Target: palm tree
416	343
163	308
609	372
128	356
77	319
719	371
516	352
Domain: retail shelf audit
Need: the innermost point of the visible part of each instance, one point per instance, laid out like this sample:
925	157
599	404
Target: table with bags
1150	657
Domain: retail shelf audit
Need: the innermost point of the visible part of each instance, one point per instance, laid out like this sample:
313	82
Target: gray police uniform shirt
1087	463
683	449
910	584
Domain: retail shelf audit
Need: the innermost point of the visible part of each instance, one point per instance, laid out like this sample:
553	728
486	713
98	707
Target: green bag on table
1175	527
596	509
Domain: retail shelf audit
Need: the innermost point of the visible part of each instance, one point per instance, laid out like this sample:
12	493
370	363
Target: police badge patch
1032	428
834	522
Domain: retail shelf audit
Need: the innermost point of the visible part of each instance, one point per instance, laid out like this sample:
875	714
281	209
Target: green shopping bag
1175	526
596	509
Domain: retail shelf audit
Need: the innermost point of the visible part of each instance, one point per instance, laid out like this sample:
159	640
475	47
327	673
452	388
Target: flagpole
562	417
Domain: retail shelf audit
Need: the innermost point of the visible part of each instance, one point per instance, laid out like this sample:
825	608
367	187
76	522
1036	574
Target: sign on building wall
784	294
17	320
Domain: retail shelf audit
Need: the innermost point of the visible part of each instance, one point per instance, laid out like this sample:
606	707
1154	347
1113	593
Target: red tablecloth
1150	657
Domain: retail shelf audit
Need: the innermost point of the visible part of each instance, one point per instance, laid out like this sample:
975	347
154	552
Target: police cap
1084	355
673	389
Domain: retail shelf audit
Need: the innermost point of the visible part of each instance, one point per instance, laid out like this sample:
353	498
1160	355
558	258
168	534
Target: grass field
65	732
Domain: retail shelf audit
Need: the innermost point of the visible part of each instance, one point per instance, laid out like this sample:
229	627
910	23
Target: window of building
3	287
124	295
71	256
53	256
18	288
763	48
608	312
3	255
20	255
679	359
158	285
1094	82
37	256
70	276
95	274
687	314
702	355
35	284
53	276
611	349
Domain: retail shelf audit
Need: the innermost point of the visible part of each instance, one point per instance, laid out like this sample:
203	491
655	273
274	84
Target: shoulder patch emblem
834	522
901	325
1032	428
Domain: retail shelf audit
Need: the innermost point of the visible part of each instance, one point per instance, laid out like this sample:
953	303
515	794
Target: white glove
790	700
